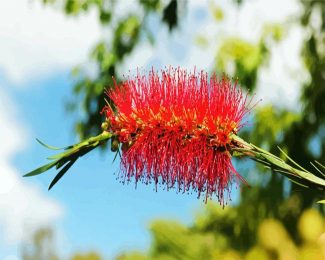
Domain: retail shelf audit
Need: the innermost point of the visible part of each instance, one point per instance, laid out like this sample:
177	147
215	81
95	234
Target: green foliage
311	124
243	59
170	14
65	159
41	246
216	234
201	41
173	240
132	256
217	12
270	125
86	256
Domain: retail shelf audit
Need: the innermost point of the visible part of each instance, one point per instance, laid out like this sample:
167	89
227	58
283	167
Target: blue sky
89	208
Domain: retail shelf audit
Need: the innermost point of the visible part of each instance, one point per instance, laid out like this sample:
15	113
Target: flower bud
114	144
105	125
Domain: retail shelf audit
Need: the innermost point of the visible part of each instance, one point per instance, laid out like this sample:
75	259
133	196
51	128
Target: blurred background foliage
273	219
215	233
209	238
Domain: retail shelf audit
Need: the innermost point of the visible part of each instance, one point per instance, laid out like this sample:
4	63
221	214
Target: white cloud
23	208
281	83
36	40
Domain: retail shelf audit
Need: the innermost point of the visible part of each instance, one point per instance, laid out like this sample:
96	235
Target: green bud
114	145
105	125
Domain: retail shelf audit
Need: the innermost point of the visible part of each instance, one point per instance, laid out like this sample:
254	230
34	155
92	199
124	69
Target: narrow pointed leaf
317	169
41	169
62	162
62	172
291	160
261	161
298	183
59	155
117	153
321	165
48	146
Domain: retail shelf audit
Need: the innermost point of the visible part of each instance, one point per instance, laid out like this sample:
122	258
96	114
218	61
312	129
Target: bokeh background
57	56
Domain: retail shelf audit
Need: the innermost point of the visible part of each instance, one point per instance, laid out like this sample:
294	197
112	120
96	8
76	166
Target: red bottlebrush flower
175	128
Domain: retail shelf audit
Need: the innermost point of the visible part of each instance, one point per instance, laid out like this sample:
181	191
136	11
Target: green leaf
62	172
317	169
70	155
291	160
41	169
321	201
62	161
48	146
298	183
117	153
321	165
59	155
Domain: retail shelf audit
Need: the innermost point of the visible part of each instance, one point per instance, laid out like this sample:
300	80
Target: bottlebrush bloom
180	129
176	129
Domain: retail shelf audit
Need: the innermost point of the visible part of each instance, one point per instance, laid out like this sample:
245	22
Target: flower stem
295	173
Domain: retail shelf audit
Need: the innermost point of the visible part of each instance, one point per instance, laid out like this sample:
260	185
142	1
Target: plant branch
294	172
71	154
